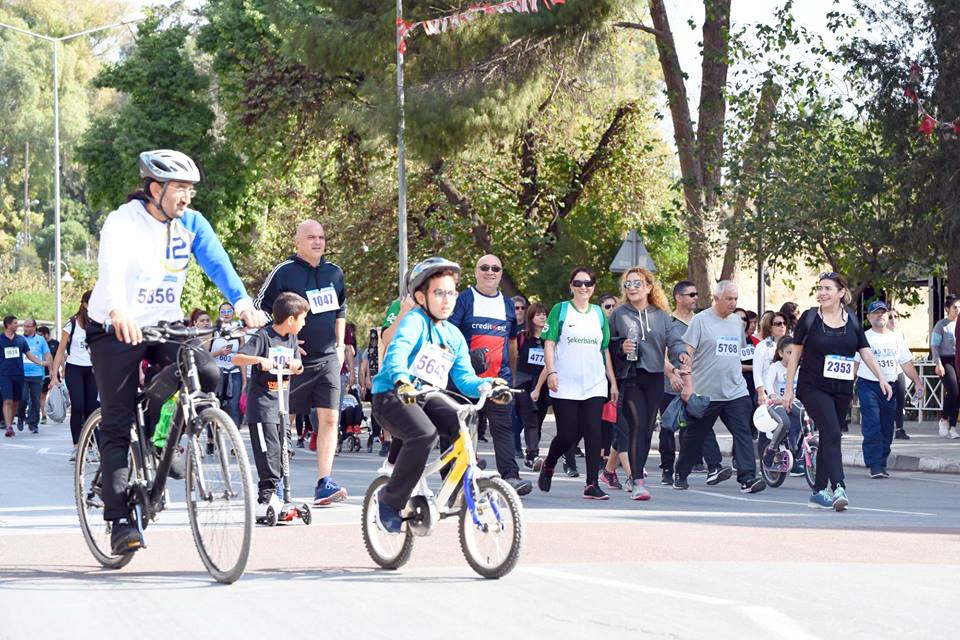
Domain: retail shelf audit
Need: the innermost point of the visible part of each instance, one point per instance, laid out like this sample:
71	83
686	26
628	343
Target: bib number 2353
432	365
838	367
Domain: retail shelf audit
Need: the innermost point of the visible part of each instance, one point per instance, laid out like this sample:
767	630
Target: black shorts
317	387
11	388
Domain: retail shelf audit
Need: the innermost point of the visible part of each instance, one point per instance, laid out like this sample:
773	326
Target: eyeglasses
576	284
445	293
779	323
634	284
185	191
520	308
490	267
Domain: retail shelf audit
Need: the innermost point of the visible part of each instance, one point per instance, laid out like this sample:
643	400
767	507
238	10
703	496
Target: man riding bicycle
426	348
145	248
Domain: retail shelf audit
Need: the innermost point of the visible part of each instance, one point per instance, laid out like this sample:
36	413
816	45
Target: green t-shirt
581	341
392	312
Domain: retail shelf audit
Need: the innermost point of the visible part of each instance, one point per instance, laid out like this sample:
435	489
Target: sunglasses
609	306
490	267
576	284
634	284
520	308
692	294
779	323
829	275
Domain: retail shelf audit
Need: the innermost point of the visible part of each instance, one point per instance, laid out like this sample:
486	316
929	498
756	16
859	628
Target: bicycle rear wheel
772	466
220	497
492	547
389	550
88	491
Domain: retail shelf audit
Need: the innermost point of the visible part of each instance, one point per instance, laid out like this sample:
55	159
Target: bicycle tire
772	478
508	502
810	470
89	499
388	550
221	517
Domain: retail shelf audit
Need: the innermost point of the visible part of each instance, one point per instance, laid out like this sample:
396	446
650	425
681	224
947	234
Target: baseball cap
877	305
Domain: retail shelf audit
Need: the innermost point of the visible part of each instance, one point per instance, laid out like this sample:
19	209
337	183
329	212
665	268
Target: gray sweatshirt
943	340
652	328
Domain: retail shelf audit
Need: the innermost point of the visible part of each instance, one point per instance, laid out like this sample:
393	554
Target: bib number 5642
156	296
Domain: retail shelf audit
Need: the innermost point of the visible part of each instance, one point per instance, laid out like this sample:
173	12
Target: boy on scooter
269	348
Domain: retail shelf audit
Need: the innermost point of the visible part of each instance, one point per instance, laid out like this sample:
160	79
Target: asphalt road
707	562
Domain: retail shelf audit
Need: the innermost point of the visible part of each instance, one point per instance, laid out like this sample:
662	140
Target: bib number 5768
156	296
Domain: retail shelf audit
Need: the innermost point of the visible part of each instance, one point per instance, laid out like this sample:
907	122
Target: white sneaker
953	434
275	502
386	469
944	426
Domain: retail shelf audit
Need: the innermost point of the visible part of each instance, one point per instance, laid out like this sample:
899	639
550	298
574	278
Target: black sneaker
571	470
753	486
716	476
124	538
545	478
482	438
384	449
680	483
698	468
521	486
901	435
580	452
300	443
593	492
666	478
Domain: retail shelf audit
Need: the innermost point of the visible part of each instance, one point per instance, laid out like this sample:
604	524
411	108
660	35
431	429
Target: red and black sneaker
593	492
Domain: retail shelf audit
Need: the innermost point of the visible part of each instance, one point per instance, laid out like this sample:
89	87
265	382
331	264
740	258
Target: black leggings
951	390
83	396
531	416
578	419
828	412
639	401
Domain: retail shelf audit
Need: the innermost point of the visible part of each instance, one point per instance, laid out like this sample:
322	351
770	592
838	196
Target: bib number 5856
156	296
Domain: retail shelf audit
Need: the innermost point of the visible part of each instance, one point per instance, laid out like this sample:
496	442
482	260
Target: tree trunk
763	121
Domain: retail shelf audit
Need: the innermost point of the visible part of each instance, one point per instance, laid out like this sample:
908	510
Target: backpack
73	327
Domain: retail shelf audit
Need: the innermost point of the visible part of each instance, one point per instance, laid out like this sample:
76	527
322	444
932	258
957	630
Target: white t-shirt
79	354
775	379
579	357
225	362
889	350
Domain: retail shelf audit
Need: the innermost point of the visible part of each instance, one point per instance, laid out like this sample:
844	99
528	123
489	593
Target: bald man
308	274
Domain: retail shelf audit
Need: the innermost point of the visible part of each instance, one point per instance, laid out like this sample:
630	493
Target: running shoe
610	479
840	500
593	492
384	449
537	464
545	479
571	470
901	435
328	492
718	475
482	438
698	468
19	425
680	483
521	486
885	473
821	500
124	538
300	443
9	432
628	484
579	452
798	468
953	434
753	486
34	430
73	456
388	518
666	477
640	492
944	426
876	473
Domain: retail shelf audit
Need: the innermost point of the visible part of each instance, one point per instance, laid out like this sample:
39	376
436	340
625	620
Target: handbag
609	411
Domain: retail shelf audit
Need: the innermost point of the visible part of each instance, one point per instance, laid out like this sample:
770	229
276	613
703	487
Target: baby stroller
792	436
351	422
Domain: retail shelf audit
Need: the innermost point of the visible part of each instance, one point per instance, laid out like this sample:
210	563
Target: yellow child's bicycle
491	517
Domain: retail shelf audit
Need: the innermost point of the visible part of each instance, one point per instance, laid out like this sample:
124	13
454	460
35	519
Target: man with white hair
714	340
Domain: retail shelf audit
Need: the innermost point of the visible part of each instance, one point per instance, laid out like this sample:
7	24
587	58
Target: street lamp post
56	132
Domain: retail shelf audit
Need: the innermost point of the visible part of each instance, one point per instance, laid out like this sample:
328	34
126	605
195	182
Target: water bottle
633	335
162	430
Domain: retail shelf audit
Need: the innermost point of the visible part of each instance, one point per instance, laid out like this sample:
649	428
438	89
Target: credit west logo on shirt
489	326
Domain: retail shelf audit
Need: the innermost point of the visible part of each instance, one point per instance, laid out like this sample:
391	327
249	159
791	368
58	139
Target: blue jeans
877	421
29	409
229	394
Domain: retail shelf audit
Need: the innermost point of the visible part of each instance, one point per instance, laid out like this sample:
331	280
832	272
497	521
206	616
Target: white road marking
620	585
43	450
804	504
16	446
776	623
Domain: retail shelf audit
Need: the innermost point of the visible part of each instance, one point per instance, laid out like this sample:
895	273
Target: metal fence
932	403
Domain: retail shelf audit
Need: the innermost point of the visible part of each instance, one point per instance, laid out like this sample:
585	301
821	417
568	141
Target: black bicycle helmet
423	271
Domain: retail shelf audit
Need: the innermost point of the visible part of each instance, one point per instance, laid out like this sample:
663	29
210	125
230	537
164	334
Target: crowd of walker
606	370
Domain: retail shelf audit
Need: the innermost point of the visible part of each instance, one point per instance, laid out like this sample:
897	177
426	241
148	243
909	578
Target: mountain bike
219	486
776	460
489	510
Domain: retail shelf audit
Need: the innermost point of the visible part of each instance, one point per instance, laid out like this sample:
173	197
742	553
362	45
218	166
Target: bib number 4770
156	296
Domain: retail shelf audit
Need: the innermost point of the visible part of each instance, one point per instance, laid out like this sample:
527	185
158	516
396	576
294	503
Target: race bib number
728	346
11	352
747	352
432	365
323	300
838	367
536	357
281	356
154	296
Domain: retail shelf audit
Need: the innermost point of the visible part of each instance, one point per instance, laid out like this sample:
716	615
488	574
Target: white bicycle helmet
165	165
423	271
765	420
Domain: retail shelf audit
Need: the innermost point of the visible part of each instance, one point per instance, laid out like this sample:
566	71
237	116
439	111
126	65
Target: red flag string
928	123
449	22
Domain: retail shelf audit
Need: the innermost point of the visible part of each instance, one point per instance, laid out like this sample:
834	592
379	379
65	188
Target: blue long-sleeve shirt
414	331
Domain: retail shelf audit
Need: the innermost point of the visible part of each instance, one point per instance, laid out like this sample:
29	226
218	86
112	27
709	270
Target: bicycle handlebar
487	391
164	331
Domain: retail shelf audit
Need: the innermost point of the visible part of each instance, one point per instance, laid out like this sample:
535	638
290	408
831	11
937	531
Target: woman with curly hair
639	337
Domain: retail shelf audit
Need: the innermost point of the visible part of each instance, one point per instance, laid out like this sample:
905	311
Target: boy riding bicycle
261	352
426	348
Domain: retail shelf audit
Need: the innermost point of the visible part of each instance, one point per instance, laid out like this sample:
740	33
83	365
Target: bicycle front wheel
492	545
772	467
88	491
220	497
